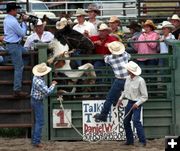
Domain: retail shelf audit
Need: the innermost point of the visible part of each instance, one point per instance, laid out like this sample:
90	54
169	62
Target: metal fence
159	115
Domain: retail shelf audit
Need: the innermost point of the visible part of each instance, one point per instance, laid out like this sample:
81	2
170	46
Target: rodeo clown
117	60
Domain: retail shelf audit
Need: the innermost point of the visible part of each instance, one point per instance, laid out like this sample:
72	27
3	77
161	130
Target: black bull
67	35
75	40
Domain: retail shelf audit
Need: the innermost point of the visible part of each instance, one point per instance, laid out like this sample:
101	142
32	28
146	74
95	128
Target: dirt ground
7	144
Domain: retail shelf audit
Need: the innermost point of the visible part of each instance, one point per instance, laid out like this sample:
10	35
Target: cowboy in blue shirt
39	91
13	34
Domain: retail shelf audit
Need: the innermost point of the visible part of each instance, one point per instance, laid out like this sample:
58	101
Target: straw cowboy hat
116	47
150	23
80	12
175	17
114	19
62	23
133	67
93	7
134	25
41	69
103	26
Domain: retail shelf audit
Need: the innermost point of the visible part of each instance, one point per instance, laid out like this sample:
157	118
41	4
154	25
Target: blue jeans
136	122
113	95
1	59
15	51
38	110
97	65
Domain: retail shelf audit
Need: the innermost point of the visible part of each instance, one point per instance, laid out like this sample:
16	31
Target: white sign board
61	119
110	130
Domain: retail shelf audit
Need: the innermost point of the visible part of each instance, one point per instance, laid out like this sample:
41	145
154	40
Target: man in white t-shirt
83	26
38	35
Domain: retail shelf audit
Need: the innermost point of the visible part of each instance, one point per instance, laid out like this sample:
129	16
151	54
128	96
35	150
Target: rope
60	98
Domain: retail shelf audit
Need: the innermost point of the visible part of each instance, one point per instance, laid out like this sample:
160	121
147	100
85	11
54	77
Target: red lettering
61	119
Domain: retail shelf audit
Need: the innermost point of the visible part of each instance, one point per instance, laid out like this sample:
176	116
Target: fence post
176	63
42	57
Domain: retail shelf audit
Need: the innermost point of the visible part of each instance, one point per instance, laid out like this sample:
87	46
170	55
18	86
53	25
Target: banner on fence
110	130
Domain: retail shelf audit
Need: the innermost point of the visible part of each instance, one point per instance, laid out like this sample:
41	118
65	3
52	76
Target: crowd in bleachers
112	31
101	33
142	38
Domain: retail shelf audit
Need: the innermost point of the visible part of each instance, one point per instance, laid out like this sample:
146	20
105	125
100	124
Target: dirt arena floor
25	145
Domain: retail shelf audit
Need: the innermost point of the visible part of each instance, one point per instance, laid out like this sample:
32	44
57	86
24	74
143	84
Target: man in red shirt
100	43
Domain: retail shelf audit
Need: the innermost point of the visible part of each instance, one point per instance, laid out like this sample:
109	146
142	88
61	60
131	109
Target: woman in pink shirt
148	47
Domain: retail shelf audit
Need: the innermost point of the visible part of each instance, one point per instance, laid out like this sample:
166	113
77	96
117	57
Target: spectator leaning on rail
83	26
116	60
135	91
115	25
38	36
39	91
135	31
144	47
93	11
100	41
13	34
167	28
175	20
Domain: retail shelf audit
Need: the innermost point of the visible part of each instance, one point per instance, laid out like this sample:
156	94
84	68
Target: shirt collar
133	79
39	77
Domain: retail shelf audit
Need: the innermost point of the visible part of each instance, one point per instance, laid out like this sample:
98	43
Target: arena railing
120	8
158	110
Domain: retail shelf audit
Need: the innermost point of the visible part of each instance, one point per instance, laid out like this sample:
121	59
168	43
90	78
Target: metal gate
160	111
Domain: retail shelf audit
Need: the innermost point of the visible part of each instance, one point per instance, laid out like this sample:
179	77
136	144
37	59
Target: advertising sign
110	130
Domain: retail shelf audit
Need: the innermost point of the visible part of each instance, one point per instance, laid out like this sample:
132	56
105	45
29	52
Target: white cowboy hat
175	17
167	24
116	47
62	23
41	69
103	26
80	12
133	67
